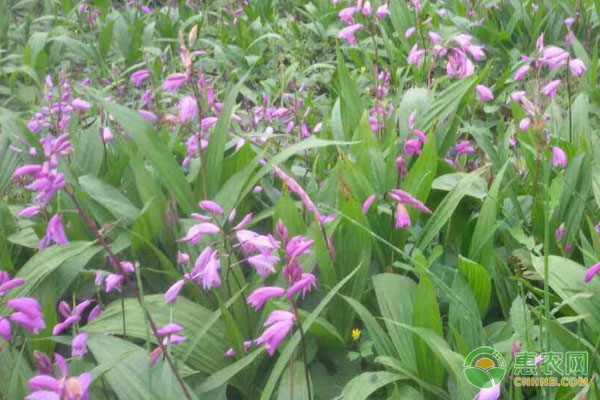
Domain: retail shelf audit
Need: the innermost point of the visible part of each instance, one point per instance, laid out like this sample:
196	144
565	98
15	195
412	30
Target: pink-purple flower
348	33
259	297
279	324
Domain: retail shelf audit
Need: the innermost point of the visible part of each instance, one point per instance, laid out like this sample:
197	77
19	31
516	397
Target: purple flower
71	317
79	345
367	203
46	387
188	108
138	77
554	57
5	330
264	264
114	281
30	211
492	393
259	297
403	198
197	232
174	81
169	329
591	272
484	93
559	158
412	146
402	217
551	88
348	33
464	147
347	14
27	305
211	206
173	292
367	10
27	314
80	105
306	283
458	65
107	135
415	56
7	284
54	233
409	32
382	11
148	115
521	72
569	21
209	271
94	313
279	324
208	123
577	67
245	221
524	124
560	232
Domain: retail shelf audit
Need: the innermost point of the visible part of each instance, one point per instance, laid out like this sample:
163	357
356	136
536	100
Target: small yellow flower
368	89
362	70
356	334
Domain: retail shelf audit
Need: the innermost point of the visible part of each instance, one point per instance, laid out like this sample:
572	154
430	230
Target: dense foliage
295	199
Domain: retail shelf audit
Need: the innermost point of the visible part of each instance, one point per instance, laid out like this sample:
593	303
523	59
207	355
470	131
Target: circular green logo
484	367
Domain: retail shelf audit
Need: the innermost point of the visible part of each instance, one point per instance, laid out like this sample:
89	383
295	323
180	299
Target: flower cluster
350	16
73	316
457	53
280	322
402	199
51	123
170	336
115	280
26	310
46	386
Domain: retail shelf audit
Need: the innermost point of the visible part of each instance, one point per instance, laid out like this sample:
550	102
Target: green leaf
90	151
110	197
482	240
453	362
206	356
298	381
566	278
215	152
426	314
414	99
444	211
447	182
224	375
129	372
351	103
365	384
155	150
369	157
383	345
396	297
479	281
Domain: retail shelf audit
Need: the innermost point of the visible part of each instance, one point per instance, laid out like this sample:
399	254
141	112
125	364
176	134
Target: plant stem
569	104
304	354
116	265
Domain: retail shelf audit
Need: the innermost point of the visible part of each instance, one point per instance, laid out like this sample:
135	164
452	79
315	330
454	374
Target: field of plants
299	199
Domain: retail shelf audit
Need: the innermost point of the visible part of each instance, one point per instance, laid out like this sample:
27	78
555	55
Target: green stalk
546	342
